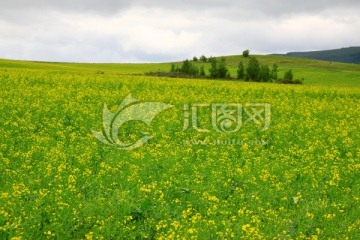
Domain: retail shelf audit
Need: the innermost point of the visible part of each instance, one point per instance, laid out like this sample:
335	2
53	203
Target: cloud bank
159	31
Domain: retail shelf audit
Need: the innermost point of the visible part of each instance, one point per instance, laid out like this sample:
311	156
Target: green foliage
274	72
246	53
288	75
241	71
211	59
188	68
298	81
222	69
228	75
316	73
252	69
202	71
172	68
264	74
195	59
203	59
218	69
214	73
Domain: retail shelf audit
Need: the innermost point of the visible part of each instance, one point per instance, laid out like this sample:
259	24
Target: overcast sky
160	30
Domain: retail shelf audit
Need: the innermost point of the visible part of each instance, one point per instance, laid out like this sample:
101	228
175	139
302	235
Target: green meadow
315	72
296	179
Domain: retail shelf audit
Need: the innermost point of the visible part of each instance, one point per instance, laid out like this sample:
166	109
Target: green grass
110	68
59	182
315	72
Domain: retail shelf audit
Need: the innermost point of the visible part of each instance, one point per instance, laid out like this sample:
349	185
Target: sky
162	30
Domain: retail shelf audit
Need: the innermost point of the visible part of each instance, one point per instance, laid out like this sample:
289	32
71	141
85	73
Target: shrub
289	75
284	81
298	81
288	81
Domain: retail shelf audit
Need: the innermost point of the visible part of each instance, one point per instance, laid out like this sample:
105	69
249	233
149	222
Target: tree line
254	71
262	73
217	69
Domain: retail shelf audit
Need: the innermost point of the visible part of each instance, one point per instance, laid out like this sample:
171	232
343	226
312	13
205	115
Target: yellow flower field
298	179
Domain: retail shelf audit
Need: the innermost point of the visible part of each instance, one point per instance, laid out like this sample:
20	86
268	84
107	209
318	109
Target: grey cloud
269	7
106	6
158	31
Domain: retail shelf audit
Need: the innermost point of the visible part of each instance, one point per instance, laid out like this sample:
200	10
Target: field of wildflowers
298	179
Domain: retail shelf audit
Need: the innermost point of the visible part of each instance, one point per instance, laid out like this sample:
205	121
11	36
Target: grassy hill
346	55
315	72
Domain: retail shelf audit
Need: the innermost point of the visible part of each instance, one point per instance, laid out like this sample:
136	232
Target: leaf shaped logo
130	109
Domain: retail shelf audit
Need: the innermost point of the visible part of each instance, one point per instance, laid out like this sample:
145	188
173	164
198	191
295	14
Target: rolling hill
346	55
315	72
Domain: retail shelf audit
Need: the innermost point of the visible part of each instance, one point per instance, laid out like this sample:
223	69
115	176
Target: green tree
274	72
172	69
252	70
228	75
189	68
195	59
288	75
202	71
264	74
240	71
222	69
210	59
214	72
186	65
246	53
218	69
203	58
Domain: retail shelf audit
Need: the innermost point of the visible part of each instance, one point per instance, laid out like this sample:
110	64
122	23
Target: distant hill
346	55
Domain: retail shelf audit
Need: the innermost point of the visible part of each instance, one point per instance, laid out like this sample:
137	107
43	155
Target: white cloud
165	31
